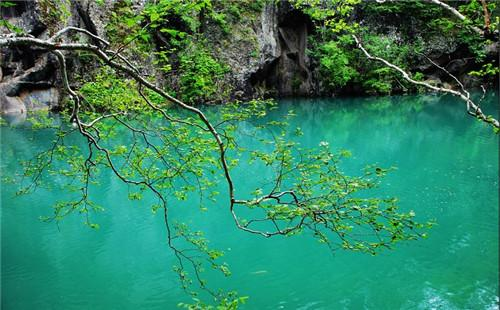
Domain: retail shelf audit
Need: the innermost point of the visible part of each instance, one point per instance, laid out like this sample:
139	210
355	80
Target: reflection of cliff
390	116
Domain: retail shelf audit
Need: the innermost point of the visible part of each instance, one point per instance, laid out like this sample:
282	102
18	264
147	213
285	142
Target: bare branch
456	13
449	74
487	16
84	31
472	108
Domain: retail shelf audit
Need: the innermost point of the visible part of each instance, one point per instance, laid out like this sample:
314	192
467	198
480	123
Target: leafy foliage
175	28
200	75
164	153
335	65
382	80
111	93
171	158
416	22
486	69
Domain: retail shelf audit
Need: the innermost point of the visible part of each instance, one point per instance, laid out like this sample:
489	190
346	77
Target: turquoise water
447	171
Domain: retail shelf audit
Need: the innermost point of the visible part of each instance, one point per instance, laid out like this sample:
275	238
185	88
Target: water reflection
447	170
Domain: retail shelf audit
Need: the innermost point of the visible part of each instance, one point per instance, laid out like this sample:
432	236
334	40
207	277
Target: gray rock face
92	15
27	77
266	53
267	36
39	99
24	15
29	80
283	68
252	51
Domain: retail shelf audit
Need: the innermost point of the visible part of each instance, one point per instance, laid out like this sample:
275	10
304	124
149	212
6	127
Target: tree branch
291	205
472	108
457	14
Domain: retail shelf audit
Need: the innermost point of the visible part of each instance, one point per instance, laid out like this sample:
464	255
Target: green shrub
109	92
335	65
200	76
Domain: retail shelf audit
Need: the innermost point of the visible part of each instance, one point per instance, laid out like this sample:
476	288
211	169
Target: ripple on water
434	300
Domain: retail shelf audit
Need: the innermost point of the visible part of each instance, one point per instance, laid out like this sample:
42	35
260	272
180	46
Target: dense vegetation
176	31
188	39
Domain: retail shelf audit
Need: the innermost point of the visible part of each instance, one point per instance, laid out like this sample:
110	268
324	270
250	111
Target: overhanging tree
308	192
336	18
175	149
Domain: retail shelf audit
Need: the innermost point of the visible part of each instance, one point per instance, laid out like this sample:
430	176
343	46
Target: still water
447	171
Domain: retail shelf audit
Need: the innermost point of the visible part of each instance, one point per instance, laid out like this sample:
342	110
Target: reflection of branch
97	119
472	108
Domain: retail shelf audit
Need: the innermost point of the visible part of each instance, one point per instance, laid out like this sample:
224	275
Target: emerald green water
447	171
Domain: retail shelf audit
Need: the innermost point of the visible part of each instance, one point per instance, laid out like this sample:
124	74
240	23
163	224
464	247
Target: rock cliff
266	51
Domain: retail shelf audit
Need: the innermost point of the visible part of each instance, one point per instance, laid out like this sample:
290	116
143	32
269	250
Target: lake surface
447	170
